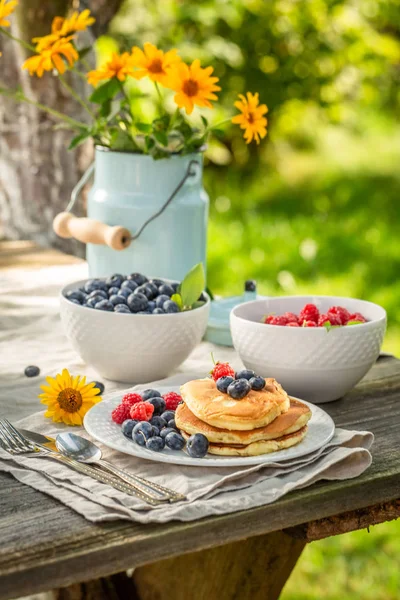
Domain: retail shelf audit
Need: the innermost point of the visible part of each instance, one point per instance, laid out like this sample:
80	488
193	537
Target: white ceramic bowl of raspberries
126	335
317	347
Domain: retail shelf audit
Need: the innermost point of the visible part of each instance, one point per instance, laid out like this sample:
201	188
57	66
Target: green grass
360	565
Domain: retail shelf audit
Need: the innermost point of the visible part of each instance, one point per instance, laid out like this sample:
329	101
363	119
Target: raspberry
290	317
309	324
131	398
309	313
292	324
357	317
221	370
120	414
172	400
341	313
279	320
268	319
142	411
328	318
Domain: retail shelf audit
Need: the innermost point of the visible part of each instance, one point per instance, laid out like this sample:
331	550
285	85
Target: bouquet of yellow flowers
113	123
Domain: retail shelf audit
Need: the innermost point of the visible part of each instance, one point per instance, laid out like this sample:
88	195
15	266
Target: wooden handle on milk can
90	231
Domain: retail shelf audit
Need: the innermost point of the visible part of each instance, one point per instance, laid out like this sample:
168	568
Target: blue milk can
168	232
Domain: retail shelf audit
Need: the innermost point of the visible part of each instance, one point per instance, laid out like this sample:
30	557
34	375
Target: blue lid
218	330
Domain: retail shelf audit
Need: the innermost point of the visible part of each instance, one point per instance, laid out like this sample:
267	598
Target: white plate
99	425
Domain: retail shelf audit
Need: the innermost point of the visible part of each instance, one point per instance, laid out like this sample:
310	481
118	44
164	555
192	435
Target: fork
13	442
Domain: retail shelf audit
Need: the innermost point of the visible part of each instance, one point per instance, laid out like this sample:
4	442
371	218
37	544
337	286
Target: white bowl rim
309	298
76	284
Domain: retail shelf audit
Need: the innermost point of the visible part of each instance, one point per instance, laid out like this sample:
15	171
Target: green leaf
198	303
178	299
354	323
82	53
122	140
192	285
105	92
204	121
143	127
79	139
161	137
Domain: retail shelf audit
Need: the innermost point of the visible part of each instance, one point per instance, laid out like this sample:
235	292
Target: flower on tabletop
252	118
6	8
53	56
193	85
154	63
68	398
62	27
118	67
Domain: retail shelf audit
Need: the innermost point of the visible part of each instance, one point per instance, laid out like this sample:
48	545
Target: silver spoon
85	451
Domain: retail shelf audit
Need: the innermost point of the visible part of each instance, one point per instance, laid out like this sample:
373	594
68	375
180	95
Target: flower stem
217	125
76	96
159	94
18	40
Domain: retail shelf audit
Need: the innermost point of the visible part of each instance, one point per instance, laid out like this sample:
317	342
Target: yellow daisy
6	8
252	118
52	57
119	67
61	27
193	85
68	398
154	63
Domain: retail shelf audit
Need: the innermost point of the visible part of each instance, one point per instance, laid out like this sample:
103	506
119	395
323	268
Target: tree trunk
37	172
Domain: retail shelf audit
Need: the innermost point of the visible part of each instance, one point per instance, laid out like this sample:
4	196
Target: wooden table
245	555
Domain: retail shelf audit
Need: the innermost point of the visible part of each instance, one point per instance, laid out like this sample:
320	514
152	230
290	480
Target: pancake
294	419
257	448
255	410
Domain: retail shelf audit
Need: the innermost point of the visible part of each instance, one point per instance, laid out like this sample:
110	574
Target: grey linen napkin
210	491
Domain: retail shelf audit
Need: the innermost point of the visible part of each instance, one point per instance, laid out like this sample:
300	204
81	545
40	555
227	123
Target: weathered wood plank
46	545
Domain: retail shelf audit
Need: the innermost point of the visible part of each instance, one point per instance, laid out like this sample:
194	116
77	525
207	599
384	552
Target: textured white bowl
311	363
132	348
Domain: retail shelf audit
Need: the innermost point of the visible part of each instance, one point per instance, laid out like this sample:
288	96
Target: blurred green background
315	207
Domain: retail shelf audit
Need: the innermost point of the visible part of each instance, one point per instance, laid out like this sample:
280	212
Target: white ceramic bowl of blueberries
128	328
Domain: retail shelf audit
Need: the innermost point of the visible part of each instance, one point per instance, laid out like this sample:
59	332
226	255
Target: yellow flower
119	66
193	85
154	62
52	56
6	8
68	398
61	27
252	118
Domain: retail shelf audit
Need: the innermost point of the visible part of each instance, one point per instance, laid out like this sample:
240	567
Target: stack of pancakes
262	422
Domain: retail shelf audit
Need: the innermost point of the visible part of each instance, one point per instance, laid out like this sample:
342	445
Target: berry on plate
158	403
245	374
159	422
155	443
164	432
168	415
309	313
257	383
239	388
223	383
131	398
172	399
150	393
99	386
222	370
174	440
32	371
142	432
142	411
197	445
120	414
127	427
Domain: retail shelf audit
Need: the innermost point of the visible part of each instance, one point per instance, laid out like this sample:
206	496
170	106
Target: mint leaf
178	299
327	325
192	285
354	323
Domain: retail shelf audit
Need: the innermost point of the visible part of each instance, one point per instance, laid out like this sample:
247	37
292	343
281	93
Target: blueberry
155	443
157	282
112	291
138	278
99	386
75	301
127	427
223	383
257	383
170	307
172	424
161	299
31	371
152	290
168	415
142	432
122	308
95	284
245	374
137	302
158	311
117	299
239	388
104	305
155	430
125	292
197	445
115	280
166	431
158	422
98	294
250	285
76	295
152	305
131	285
175	285
202	297
91	302
150	393
174	441
144	312
158	403
166	289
